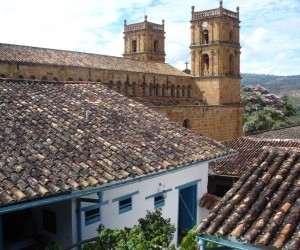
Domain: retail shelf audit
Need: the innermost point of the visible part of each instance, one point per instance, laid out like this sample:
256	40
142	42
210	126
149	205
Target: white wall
110	212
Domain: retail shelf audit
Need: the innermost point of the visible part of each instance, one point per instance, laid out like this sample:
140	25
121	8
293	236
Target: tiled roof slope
48	147
282	133
263	206
249	149
168	101
34	55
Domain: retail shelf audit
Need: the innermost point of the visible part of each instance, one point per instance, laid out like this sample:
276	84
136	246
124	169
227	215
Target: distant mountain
279	85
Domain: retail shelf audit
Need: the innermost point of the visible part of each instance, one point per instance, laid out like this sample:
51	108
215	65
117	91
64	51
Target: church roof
249	149
263	206
43	56
61	137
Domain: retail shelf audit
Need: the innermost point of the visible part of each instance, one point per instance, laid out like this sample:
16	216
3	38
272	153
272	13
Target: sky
269	33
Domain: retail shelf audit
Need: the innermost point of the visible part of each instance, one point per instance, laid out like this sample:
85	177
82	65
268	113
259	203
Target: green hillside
279	85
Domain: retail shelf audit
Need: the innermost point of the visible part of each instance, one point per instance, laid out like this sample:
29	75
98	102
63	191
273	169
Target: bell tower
215	54
144	41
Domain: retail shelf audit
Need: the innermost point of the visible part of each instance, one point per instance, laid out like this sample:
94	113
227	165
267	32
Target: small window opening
92	216
44	78
163	91
205	36
155	46
159	201
178	91
186	123
125	205
172	90
134	47
230	36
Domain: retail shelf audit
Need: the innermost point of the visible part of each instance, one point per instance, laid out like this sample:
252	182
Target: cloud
268	38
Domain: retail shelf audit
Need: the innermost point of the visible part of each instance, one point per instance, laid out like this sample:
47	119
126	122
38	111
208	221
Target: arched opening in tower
133	46
205	65
155	46
205	36
231	64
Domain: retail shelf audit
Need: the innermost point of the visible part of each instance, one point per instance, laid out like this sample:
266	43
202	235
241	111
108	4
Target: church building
206	101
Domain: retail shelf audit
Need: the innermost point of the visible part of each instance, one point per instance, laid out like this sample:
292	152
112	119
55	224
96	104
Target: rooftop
263	206
41	56
61	137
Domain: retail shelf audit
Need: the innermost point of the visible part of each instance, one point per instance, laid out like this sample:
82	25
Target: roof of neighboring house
59	137
263	206
168	101
281	133
43	56
249	149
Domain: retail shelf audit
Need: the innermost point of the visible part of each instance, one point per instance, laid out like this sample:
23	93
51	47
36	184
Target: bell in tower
144	41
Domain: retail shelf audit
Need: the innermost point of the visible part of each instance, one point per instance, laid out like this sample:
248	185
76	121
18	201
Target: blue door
187	210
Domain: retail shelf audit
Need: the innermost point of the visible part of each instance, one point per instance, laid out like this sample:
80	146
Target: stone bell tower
215	54
144	41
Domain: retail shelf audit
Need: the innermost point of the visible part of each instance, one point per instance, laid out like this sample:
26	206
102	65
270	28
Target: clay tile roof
287	133
42	56
60	137
168	101
263	206
249	150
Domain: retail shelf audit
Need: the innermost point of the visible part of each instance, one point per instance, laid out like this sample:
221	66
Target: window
151	89
155	46
159	201
49	221
172	90
119	87
44	78
125	205
183	91
92	216
134	46
230	36
205	36
231	65
110	85
163	90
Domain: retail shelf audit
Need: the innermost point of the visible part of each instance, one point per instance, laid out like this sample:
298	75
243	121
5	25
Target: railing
214	13
143	25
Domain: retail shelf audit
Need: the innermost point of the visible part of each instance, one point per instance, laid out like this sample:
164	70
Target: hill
279	85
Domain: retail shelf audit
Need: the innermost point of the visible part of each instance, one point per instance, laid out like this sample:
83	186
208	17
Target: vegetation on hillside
265	111
278	85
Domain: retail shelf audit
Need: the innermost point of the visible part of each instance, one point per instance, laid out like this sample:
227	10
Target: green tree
153	232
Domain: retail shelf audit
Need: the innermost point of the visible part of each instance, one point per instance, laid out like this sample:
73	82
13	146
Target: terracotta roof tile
287	133
42	56
263	207
48	145
249	150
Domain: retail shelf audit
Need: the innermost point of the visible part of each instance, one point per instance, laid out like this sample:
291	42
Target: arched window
144	89
70	79
111	85
205	64
133	89
231	64
20	77
205	37
55	79
133	46
178	91
150	89
98	80
126	88
157	87
90	79
230	36
80	79
186	123
172	90
163	90
155	46
119	86
2	76
183	91
44	78
189	91
32	77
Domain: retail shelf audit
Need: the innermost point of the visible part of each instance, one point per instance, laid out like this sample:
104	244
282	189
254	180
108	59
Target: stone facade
207	101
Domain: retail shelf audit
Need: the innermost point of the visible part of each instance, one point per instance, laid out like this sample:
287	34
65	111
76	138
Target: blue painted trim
92	218
125	196
227	243
157	194
79	227
87	208
125	208
1	233
188	184
112	185
159	203
89	200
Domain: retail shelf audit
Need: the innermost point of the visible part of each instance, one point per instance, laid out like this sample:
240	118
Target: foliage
153	232
55	246
189	242
264	111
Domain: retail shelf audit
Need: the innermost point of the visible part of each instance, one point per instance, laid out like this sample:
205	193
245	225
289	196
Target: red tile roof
42	56
58	137
249	149
263	206
281	133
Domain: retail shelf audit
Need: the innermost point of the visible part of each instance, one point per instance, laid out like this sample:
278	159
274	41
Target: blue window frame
159	201
92	216
125	205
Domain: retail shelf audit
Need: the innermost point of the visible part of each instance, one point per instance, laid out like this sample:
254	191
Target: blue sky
270	37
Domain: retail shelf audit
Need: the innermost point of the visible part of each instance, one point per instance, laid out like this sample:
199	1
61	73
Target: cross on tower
186	65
